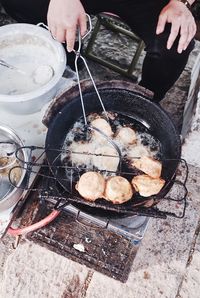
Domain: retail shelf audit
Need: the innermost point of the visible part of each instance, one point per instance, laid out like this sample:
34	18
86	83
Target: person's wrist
187	3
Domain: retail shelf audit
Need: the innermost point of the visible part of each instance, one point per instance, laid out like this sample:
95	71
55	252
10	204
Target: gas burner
130	227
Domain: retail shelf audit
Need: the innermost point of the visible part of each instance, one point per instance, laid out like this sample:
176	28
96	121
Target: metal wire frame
65	196
115	25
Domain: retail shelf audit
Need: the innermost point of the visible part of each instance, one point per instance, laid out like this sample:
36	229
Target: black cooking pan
130	103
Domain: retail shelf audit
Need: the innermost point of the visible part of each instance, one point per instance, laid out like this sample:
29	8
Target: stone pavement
167	263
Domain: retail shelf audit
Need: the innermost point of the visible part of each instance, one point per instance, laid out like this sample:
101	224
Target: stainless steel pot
10	195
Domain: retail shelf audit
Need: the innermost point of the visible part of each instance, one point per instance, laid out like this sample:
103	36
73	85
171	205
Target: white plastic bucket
36	44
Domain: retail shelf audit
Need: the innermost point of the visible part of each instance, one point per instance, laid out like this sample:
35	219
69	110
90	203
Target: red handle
43	222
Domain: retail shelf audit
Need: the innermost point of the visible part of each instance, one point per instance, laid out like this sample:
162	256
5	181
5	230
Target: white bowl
34	44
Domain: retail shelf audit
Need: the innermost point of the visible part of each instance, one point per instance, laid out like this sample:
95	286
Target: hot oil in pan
79	139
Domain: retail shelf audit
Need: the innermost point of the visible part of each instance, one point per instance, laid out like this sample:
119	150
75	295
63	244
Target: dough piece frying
102	125
126	135
118	190
149	166
103	162
147	186
91	186
81	153
136	151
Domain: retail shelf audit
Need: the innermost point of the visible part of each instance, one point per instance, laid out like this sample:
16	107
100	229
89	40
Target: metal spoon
37	79
5	64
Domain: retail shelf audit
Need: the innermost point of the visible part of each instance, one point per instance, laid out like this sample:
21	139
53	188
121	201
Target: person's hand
182	21
63	17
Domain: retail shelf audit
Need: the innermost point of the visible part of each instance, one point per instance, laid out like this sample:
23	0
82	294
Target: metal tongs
79	56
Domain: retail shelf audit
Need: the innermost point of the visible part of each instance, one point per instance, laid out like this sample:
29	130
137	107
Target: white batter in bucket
36	62
42	61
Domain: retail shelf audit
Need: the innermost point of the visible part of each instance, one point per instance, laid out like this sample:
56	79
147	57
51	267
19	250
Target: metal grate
104	251
50	188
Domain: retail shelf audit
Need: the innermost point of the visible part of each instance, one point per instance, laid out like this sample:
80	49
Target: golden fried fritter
126	135
149	166
118	190
146	185
91	186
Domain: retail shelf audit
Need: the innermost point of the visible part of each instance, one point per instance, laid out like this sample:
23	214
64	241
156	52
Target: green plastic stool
114	23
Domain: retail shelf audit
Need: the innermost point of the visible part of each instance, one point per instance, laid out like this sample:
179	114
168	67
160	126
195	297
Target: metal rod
95	87
12	67
80	91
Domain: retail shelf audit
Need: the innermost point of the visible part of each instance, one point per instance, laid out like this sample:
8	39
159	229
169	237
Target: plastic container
26	37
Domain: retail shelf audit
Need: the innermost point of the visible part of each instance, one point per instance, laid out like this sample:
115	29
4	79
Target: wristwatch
187	4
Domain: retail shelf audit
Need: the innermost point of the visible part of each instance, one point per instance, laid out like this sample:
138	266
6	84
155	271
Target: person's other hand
63	17
182	21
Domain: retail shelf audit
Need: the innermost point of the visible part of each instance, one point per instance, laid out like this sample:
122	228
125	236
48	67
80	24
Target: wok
122	98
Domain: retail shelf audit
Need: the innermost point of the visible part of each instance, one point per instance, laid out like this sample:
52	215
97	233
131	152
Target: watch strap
187	4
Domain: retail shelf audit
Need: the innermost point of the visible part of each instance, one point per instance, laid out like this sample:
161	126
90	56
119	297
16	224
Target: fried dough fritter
106	159
126	135
118	190
146	185
91	186
102	125
149	166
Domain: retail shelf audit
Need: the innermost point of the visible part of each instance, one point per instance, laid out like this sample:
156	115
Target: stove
132	227
98	245
33	132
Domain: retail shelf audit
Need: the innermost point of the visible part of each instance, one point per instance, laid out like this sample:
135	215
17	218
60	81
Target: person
167	28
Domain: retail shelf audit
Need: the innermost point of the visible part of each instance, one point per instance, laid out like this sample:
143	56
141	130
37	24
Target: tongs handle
78	55
80	38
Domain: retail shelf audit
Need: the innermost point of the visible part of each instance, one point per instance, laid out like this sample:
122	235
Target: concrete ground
167	263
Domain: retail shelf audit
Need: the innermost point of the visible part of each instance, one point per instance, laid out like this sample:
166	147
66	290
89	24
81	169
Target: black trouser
161	67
